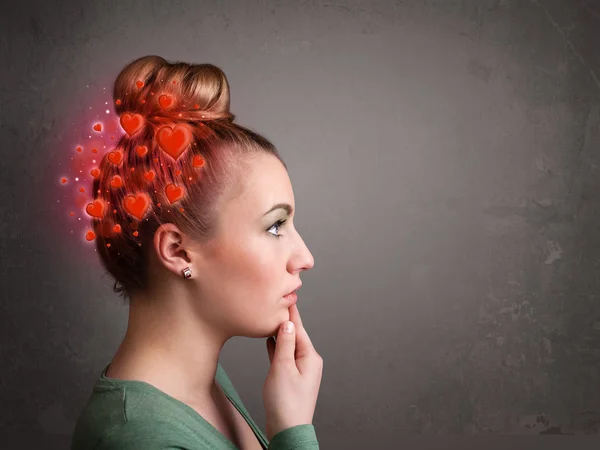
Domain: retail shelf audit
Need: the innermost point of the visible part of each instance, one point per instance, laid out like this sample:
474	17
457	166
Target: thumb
286	344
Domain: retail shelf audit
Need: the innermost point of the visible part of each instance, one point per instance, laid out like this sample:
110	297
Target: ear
170	247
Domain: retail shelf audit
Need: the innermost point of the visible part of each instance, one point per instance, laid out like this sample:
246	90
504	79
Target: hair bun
159	90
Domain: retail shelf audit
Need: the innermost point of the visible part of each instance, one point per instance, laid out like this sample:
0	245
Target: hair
201	100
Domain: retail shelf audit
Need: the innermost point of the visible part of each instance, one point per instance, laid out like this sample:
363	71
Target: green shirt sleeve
300	437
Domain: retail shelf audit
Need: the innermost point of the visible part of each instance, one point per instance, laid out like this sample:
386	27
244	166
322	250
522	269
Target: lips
294	290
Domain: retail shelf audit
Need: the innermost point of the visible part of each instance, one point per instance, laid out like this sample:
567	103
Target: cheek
250	273
247	283
252	261
258	302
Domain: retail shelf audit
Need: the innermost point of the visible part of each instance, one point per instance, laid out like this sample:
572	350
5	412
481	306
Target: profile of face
257	256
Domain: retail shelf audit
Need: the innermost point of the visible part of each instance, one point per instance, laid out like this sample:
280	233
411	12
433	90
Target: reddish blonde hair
201	94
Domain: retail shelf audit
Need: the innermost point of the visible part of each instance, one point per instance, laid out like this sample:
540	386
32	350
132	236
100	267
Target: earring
187	273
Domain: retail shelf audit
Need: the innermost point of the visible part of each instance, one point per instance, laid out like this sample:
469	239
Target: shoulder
147	435
137	416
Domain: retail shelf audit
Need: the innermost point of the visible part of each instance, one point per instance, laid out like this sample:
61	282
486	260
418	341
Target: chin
270	329
262	334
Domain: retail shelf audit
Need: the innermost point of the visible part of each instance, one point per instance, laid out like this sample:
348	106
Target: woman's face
247	267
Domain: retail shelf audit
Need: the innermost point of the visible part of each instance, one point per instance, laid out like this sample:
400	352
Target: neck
169	346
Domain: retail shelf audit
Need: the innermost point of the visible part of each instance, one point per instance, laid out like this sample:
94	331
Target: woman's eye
278	225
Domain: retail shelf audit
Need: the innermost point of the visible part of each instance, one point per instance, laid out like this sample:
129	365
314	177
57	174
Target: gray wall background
444	158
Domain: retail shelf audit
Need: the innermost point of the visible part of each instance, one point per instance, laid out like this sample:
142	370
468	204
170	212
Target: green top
129	414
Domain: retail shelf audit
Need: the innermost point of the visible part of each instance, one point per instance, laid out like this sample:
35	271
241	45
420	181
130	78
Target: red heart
165	101
63	180
173	192
141	150
174	141
95	173
136	205
98	127
149	175
198	161
90	235
139	83
95	209
116	181
117	228
115	157
131	123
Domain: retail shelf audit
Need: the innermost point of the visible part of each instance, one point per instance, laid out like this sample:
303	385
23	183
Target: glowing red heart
117	228
95	172
98	127
116	181
198	161
136	205
149	175
165	101
90	236
115	157
131	123
95	209
173	192
174	141
63	180
139	83
141	150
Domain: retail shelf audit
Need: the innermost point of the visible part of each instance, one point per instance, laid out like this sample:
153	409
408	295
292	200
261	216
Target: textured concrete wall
444	157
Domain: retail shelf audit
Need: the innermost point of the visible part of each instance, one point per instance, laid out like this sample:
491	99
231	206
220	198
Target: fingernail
288	327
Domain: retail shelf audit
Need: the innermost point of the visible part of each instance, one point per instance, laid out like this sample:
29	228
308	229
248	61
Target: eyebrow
288	208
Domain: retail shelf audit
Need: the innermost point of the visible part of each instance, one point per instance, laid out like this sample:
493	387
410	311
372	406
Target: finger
304	346
295	315
286	346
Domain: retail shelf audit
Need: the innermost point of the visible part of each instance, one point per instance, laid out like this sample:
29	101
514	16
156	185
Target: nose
302	258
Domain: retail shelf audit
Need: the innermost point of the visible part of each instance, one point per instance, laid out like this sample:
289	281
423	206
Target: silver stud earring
187	273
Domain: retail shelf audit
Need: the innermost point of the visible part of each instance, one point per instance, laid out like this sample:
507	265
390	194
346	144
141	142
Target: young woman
193	217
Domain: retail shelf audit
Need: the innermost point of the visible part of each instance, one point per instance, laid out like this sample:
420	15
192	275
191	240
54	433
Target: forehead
262	182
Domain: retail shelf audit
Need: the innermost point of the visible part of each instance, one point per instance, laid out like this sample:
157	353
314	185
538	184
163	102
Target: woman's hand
292	385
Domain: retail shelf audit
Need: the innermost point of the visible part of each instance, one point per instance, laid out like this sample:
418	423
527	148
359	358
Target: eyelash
277	224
